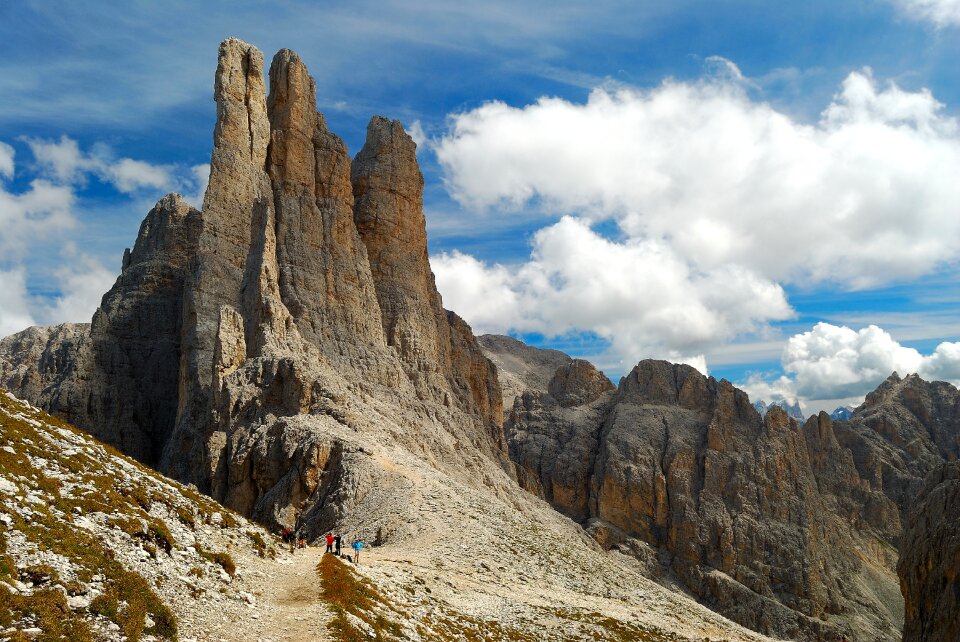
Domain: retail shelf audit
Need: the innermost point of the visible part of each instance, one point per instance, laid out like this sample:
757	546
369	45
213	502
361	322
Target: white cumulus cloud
719	200
417	134
6	160
833	362
638	294
867	194
196	184
942	13
39	212
40	217
63	161
82	282
14	302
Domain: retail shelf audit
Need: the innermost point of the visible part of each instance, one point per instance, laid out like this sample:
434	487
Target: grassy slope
57	486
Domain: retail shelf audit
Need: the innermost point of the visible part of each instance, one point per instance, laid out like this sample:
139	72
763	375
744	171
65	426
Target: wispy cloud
63	161
14	303
39	217
942	13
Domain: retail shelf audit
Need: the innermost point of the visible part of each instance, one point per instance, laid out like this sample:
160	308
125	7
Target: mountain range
285	351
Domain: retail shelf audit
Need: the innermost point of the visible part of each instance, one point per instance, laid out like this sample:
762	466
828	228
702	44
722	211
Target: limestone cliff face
687	465
437	348
249	347
323	276
789	529
119	375
929	565
554	442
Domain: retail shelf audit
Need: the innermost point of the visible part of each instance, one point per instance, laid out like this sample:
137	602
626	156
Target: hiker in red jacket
329	542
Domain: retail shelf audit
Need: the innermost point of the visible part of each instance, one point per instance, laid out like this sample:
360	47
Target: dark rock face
903	430
786	528
686	465
119	375
520	367
929	565
245	344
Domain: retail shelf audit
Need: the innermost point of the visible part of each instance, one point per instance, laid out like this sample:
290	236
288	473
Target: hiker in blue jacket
357	546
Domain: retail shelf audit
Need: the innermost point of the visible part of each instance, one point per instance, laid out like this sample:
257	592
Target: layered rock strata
929	565
789	529
245	343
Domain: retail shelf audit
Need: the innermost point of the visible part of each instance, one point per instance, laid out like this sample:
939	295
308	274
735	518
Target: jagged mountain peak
673	462
285	349
300	287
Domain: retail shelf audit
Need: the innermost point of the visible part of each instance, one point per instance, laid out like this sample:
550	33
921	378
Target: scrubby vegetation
127	598
61	492
222	559
350	595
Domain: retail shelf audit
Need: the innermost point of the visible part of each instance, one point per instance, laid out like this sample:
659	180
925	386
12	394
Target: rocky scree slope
790	529
241	341
285	350
95	546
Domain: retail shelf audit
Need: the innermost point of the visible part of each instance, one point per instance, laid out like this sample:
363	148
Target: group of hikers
295	540
333	546
287	536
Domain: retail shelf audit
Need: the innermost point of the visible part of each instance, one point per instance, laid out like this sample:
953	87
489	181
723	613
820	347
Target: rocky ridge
792	409
788	528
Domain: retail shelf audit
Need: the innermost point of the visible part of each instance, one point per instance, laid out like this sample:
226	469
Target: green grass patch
346	592
221	559
46	609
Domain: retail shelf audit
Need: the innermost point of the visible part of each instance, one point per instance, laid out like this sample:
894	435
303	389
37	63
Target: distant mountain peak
792	409
842	413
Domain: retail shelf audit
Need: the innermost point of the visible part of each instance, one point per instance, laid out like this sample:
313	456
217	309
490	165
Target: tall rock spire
237	212
243	340
439	352
324	276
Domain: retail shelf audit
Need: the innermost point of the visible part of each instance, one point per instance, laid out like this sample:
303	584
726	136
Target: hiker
293	542
329	542
336	543
357	546
285	534
303	543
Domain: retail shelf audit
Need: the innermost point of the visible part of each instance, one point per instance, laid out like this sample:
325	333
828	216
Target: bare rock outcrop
929	565
789	529
578	383
520	367
323	276
250	347
118	376
437	348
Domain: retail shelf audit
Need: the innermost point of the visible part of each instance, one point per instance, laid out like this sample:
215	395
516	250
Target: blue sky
746	186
